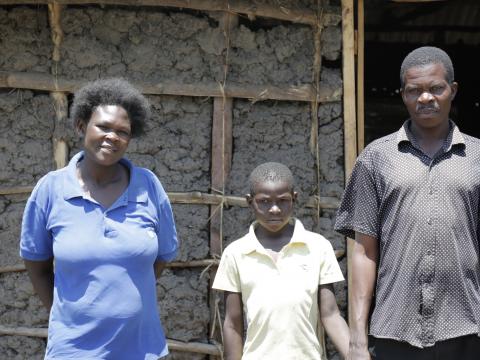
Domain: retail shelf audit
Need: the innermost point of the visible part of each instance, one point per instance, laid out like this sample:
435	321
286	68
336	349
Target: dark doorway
392	30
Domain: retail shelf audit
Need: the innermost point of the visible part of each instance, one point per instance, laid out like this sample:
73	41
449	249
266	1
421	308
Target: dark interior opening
392	30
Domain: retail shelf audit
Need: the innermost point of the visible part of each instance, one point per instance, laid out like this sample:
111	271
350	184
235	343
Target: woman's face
107	134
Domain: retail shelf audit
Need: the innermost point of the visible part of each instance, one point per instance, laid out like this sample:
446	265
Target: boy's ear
295	195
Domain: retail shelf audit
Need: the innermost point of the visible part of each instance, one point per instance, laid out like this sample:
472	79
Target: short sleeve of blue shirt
36	240
166	233
104	301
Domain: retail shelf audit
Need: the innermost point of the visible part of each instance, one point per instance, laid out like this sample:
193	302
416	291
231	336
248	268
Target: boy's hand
356	352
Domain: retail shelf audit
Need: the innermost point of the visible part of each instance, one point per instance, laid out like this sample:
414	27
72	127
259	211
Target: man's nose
425	97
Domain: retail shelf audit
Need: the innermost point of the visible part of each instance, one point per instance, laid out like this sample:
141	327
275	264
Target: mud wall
169	45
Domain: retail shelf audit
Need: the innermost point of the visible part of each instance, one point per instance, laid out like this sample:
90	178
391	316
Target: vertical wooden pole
349	117
60	147
221	164
360	75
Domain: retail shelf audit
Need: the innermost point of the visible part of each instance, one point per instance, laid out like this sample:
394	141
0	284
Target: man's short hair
270	172
427	55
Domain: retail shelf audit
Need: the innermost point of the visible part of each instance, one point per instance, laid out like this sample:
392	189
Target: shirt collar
136	191
252	244
454	136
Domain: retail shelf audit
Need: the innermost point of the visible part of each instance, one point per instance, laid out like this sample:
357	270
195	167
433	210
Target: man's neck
430	140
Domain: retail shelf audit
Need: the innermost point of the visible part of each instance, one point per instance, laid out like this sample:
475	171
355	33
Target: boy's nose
274	209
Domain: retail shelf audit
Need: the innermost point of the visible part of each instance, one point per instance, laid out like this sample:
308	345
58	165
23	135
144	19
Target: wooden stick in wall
47	82
221	165
349	116
60	147
250	8
360	75
198	198
174	345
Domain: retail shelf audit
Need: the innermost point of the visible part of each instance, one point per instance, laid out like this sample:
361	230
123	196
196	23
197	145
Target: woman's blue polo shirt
104	303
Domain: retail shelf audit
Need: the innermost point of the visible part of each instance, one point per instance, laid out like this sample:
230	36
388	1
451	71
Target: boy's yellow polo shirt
279	299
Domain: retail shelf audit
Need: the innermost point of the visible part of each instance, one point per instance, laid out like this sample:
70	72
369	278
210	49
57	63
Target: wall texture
168	45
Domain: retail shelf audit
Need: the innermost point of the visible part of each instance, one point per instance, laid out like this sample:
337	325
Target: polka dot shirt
425	213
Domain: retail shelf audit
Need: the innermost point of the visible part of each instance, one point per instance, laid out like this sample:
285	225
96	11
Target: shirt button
430	191
429	221
429	252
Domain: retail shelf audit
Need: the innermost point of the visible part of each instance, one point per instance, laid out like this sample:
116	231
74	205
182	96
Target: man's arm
233	326
364	272
332	321
41	276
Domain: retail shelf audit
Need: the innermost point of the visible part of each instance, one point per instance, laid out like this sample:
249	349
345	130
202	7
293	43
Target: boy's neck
274	241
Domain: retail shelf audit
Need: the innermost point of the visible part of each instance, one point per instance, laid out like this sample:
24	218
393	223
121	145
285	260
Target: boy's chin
273	226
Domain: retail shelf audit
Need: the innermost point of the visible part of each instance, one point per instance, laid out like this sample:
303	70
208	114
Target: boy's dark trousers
461	348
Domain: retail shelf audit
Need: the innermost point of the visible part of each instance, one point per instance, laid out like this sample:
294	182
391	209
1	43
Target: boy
279	275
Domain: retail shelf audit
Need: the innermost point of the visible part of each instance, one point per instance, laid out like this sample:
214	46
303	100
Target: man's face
427	95
272	204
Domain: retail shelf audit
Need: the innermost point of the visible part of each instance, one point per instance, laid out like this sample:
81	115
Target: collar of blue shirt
135	192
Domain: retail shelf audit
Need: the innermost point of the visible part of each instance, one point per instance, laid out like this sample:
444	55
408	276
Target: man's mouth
427	110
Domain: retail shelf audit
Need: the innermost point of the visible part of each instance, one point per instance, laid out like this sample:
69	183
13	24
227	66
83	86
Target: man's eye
414	92
437	89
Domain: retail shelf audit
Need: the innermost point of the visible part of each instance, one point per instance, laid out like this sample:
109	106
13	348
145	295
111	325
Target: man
412	206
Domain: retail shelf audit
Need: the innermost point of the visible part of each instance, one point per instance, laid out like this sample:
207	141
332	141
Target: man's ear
294	196
249	199
454	87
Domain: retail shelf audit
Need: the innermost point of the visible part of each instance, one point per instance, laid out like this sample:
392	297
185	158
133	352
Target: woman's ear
80	128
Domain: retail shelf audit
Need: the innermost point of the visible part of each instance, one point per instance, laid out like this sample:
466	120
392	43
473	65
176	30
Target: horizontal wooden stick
12	268
48	82
200	198
194	347
174	345
250	8
174	264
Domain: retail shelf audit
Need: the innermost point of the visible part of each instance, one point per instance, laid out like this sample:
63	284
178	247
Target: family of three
97	233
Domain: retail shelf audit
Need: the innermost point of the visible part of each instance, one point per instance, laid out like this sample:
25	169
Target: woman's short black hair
114	91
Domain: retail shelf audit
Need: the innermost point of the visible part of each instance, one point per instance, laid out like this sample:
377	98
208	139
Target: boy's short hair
270	171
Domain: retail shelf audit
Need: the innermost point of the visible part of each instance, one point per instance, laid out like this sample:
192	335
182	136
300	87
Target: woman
108	227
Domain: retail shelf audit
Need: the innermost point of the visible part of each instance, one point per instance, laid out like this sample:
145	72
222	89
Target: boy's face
272	204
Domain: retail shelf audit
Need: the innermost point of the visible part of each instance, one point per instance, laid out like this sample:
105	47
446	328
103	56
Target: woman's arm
41	276
233	326
332	321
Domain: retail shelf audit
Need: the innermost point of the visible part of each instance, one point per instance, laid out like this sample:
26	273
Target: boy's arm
364	272
233	326
333	323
